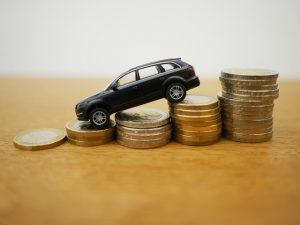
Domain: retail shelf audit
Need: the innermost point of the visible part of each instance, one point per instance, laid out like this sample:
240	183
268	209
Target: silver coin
242	82
249	74
142	118
249	87
143	144
249	97
141	131
196	102
143	136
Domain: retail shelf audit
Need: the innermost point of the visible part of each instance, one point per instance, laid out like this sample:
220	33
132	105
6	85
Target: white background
89	38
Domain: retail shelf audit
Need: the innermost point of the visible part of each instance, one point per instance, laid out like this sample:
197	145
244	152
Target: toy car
169	78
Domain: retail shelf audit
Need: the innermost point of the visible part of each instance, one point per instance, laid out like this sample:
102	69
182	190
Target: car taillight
190	71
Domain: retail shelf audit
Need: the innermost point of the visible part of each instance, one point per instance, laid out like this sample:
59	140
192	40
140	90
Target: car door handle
135	87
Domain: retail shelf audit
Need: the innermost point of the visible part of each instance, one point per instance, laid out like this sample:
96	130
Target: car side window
148	71
128	78
168	66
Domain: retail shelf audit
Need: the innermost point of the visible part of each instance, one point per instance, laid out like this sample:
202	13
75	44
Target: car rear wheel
99	118
175	92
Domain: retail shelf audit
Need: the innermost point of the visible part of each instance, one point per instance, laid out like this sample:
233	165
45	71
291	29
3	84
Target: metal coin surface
89	143
195	118
199	133
143	136
244	102
141	131
249	73
195	143
143	144
185	112
84	129
253	108
142	118
196	102
256	93
247	82
249	138
196	123
214	127
249	97
39	139
249	87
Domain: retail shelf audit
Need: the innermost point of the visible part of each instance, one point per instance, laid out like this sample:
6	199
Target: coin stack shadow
247	101
82	133
143	128
196	120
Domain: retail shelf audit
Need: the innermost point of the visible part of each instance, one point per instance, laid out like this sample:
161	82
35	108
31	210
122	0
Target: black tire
175	92
99	118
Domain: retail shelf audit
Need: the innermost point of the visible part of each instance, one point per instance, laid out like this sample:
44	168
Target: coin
199	133
244	102
253	93
195	118
249	74
185	112
195	143
250	138
146	131
196	102
249	97
241	116
202	123
213	127
247	82
249	108
199	139
144	136
89	143
85	130
39	139
142	118
143	144
226	86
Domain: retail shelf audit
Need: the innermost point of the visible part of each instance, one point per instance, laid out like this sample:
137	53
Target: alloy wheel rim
99	118
176	92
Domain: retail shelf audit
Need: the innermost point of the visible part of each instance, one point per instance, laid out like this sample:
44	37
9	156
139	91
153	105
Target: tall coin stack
143	128
196	120
247	101
82	133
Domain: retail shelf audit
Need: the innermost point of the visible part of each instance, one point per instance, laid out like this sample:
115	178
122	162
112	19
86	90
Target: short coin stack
196	120
247	101
143	128
82	133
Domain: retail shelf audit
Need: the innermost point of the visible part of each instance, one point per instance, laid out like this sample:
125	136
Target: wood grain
225	183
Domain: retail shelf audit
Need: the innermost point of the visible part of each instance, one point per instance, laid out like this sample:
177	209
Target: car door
150	83
125	94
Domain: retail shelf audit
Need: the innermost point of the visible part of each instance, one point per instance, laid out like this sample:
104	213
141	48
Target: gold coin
249	87
143	136
141	131
88	143
253	108
195	118
142	118
244	102
196	102
249	74
242	82
259	116
204	123
143	144
247	130
199	133
39	139
248	97
252	138
252	93
184	112
190	140
84	130
214	127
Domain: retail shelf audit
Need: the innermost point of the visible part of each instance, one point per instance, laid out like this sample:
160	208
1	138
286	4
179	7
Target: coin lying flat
249	74
89	143
144	131
226	86
196	102
142	117
84	129
184	112
143	144
243	82
39	139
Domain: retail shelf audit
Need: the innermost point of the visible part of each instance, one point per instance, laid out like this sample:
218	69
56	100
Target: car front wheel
175	92
99	118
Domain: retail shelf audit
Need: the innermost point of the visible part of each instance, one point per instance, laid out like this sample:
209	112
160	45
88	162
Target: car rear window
148	71
168	66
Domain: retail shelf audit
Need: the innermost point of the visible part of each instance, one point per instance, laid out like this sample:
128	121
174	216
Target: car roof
171	60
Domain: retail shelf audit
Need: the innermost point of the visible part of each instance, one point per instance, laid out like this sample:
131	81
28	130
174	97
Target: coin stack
247	101
82	133
143	128
196	120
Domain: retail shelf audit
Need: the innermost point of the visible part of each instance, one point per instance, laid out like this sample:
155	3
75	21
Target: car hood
92	97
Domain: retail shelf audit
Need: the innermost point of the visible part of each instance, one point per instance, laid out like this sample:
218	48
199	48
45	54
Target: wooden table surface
225	183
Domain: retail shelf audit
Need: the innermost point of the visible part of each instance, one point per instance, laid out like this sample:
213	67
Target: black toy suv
169	78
